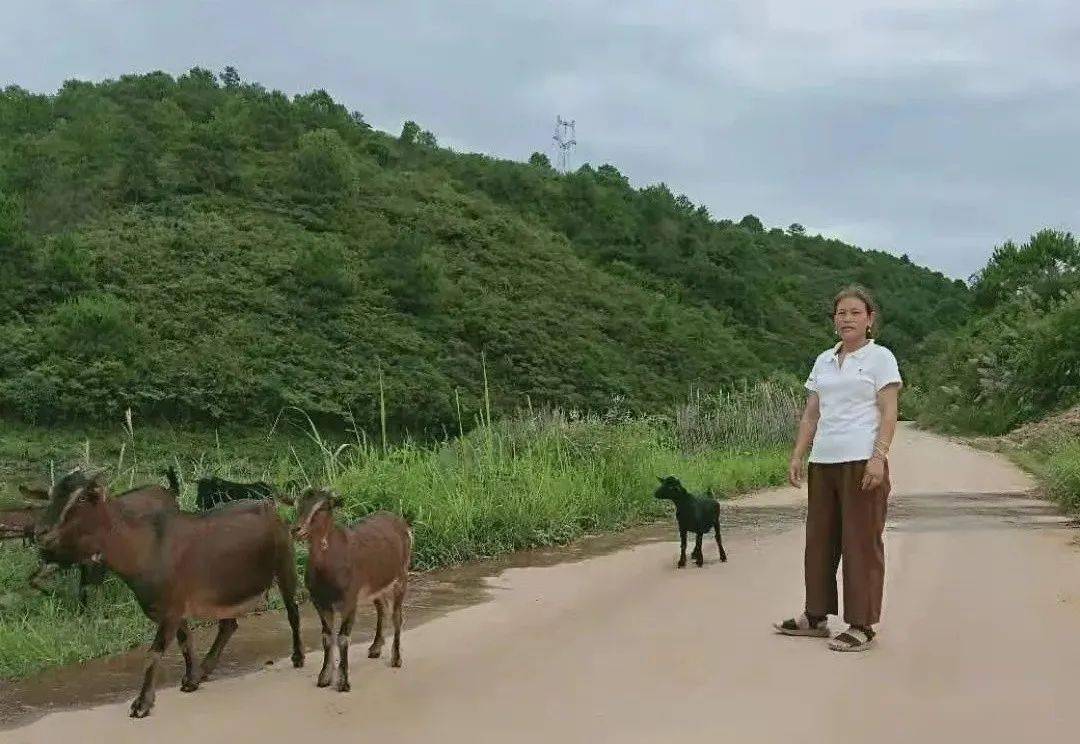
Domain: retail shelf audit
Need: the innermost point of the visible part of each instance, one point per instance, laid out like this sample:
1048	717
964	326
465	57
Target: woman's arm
887	403
807	428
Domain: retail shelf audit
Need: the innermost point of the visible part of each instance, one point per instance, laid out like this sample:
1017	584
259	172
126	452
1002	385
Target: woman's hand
795	472
873	474
807	428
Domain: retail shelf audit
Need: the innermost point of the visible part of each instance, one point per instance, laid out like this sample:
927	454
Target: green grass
1057	465
39	631
541	478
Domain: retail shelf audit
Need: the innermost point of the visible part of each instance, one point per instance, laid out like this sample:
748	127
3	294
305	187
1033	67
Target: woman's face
852	320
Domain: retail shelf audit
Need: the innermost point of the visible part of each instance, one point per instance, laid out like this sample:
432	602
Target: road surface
980	641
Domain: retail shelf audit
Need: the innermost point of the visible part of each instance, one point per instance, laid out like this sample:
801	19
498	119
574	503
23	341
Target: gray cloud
934	128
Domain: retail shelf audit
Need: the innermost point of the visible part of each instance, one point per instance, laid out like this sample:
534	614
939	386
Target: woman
850	418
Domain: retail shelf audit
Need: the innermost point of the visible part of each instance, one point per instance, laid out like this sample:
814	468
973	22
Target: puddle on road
263	639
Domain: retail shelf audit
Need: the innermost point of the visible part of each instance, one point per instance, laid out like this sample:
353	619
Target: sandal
853	639
801	626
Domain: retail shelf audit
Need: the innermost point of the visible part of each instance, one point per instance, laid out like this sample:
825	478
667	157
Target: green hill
201	249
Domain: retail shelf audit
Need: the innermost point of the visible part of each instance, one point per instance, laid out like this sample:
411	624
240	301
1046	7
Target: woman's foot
804	625
853	639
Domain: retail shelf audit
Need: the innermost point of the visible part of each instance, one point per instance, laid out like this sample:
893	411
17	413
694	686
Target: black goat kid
697	514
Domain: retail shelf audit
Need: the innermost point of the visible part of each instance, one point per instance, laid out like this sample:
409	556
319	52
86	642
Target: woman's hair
856	292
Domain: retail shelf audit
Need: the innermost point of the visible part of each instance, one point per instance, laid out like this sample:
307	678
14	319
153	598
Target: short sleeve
811	381
886	370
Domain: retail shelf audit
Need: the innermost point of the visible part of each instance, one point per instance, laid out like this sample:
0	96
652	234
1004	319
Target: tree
380	152
212	157
412	276
410	130
230	78
1043	267
796	229
137	178
609	174
752	223
318	109
198	93
323	168
12	220
427	139
540	160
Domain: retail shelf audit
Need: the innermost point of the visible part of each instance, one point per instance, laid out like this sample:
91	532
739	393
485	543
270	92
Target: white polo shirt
849	421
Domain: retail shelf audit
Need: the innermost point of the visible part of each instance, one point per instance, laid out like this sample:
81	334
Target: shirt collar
854	354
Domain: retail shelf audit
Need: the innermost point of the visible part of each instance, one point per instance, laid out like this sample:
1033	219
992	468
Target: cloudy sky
935	128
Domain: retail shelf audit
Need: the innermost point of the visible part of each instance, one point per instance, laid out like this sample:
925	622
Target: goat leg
225	630
343	651
698	555
719	542
682	546
84	579
399	600
144	703
326	617
375	650
286	580
191	680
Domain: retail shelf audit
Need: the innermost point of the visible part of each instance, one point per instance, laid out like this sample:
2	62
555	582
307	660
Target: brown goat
368	561
214	565
135	502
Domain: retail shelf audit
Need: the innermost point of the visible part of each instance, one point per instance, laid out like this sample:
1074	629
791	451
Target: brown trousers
843	521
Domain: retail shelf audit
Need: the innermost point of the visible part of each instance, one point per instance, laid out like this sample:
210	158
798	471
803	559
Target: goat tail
409	543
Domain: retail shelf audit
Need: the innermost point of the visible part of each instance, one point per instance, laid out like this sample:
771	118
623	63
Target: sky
934	128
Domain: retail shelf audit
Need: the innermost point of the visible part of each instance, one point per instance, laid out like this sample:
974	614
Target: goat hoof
374	653
343	686
323	681
396	663
681	564
297	661
188	686
141	708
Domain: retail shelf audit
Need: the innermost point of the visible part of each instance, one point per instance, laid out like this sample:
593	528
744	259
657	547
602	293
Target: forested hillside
1018	357
202	249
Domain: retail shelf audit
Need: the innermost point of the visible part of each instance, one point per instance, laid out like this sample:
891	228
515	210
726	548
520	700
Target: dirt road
980	642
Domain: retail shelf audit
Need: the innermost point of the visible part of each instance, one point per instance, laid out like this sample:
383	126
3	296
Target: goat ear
335	499
34	494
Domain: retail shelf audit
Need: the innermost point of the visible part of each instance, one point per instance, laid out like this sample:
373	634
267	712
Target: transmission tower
565	140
